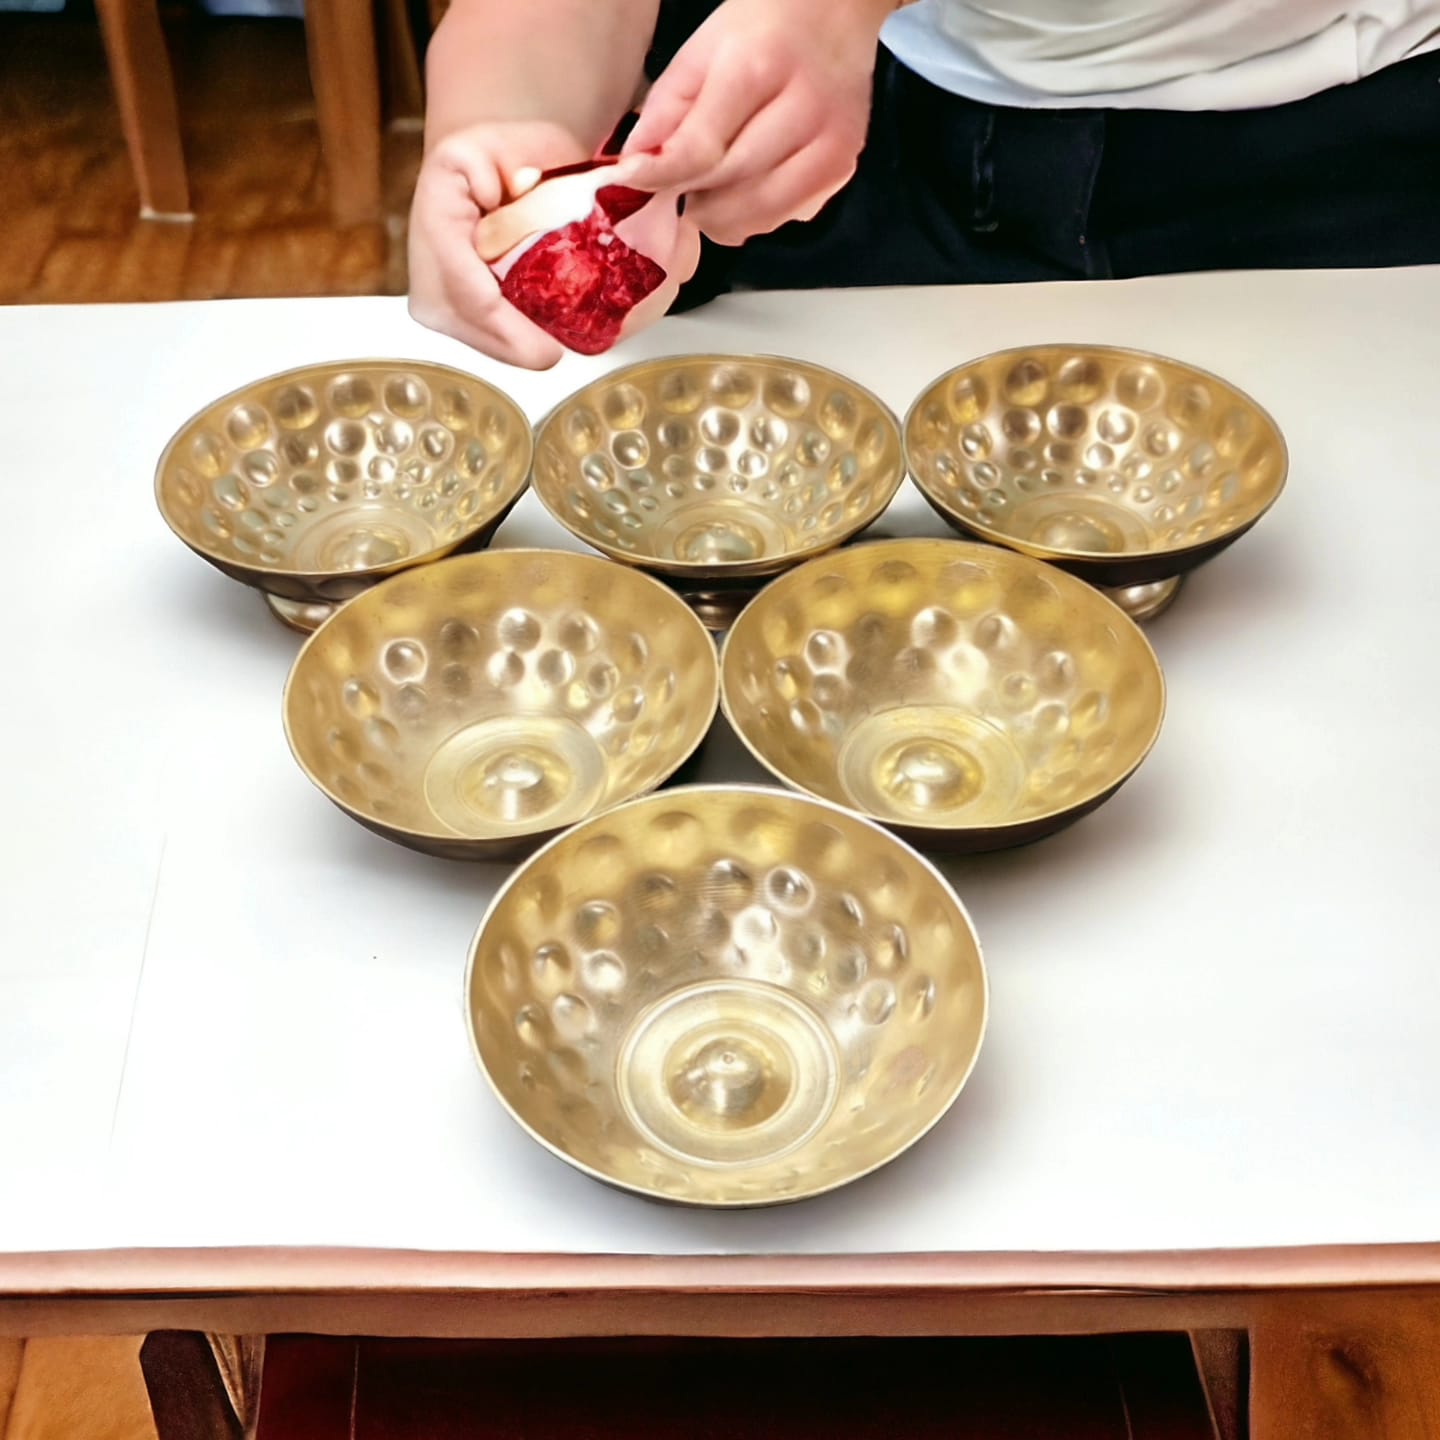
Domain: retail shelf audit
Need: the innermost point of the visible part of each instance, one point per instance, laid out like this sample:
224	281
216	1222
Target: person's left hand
761	115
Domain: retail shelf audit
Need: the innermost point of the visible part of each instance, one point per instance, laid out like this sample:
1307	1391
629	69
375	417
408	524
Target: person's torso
1163	54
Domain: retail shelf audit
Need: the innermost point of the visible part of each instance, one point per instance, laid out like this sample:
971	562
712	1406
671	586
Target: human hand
464	177
477	199
761	115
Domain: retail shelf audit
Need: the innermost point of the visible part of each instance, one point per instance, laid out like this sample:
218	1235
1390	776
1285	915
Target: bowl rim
706	710
932	827
1098	557
772	793
724	569
369	363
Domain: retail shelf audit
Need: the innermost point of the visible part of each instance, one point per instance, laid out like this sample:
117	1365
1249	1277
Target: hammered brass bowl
1124	468
726	995
718	471
472	707
313	484
968	697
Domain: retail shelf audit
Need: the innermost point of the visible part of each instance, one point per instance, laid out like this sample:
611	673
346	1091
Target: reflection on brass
471	707
1145	602
1125	468
726	996
714	467
312	484
968	696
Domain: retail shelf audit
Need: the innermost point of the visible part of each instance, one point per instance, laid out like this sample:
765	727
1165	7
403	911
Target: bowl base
728	1072
302	615
1145	602
719	605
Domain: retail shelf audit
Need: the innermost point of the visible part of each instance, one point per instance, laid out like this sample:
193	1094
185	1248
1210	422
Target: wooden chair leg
202	1387
403	89
344	70
145	90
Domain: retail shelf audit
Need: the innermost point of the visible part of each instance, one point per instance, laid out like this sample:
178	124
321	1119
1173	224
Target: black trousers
952	191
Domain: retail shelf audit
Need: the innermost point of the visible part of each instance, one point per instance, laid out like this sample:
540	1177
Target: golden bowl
717	471
726	995
473	707
313	484
1122	467
968	697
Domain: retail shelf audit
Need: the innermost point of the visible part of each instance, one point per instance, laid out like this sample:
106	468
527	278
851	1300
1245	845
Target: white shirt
1159	54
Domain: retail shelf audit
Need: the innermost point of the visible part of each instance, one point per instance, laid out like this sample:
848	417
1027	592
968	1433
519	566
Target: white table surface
229	1016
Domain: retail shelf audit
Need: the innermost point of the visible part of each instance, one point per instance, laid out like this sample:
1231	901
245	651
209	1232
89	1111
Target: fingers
504	333
697	129
542	207
790	122
668	101
797	189
452	290
475	311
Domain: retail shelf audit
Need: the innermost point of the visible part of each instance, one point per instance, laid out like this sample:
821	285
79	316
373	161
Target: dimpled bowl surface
1127	468
727	996
717	465
472	706
313	483
968	696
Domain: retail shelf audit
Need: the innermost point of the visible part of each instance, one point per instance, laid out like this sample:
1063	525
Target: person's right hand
464	176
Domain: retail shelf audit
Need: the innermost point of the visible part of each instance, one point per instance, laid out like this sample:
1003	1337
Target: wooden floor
73	1390
69	221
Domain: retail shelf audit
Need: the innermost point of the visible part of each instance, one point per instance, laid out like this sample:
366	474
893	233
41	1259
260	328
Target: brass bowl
968	697
473	707
313	484
718	471
727	996
1122	467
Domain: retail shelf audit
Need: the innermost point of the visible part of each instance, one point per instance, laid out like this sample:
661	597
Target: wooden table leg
1328	1366
344	71
1222	1361
145	90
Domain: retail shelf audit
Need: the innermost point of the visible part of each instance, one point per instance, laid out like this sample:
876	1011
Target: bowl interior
344	468
942	684
727	996
1070	451
708	464
500	694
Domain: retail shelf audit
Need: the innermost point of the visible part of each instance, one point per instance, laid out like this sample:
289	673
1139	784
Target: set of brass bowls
967	696
1125	468
313	484
472	707
726	996
718	472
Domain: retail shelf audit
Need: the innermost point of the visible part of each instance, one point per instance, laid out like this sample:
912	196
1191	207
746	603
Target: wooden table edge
166	1273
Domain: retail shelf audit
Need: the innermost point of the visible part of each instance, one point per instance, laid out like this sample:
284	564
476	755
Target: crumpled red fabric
579	282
